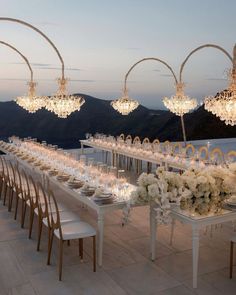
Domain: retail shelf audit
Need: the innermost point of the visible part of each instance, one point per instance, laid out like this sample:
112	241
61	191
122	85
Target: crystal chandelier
124	105
63	104
223	105
180	104
31	102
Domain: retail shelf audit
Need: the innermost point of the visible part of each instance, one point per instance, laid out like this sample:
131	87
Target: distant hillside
96	115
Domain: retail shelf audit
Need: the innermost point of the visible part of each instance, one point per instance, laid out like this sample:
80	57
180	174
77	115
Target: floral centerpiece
204	191
197	191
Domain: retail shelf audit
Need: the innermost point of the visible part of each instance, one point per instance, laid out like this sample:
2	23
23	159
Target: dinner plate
75	184
52	172
231	201
231	204
31	160
45	167
102	201
63	177
87	192
104	196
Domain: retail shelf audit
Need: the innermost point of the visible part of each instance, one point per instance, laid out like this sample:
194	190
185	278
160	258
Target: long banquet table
197	223
101	210
166	160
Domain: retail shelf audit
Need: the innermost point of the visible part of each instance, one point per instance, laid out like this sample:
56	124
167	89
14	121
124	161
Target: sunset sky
100	39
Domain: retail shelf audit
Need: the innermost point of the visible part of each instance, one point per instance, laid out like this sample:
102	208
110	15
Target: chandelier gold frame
118	104
223	105
30	102
74	102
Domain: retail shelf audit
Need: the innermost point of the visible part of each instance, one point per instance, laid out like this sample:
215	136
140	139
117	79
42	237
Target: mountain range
96	115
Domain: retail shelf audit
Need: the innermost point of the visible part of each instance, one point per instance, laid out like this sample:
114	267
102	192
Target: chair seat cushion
65	216
234	239
52	208
75	230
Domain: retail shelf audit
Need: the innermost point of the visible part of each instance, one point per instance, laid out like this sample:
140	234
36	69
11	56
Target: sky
100	40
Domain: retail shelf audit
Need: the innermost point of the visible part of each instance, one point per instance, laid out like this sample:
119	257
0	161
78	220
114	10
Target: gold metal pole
42	34
199	48
183	130
147	59
25	59
185	61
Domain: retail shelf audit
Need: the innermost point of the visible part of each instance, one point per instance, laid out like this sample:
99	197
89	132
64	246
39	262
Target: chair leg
1	186
231	259
68	243
24	207
11	194
31	222
5	194
94	254
40	226
81	249
16	209
60	258
51	235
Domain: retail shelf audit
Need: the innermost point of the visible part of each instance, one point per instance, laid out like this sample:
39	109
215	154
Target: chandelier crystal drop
124	105
31	102
63	104
223	105
180	103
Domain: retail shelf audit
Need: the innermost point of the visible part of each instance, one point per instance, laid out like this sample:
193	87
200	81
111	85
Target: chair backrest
42	205
9	172
146	140
25	187
156	145
137	142
12	174
217	156
231	156
33	196
203	153
146	144
128	139
55	222
18	179
2	167
166	146
190	150
177	148
122	136
6	169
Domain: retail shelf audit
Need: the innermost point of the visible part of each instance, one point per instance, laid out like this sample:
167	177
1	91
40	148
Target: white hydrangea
198	190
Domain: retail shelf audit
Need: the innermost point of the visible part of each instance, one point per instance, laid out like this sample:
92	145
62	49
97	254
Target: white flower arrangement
198	191
204	191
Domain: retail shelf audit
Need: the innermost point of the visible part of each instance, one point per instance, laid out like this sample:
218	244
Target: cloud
156	70
55	68
40	65
51	80
216	79
44	66
166	75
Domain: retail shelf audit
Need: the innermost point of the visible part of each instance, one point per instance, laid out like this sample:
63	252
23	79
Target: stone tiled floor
126	269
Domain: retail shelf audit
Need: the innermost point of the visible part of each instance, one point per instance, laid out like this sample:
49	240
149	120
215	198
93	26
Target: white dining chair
74	230
232	242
